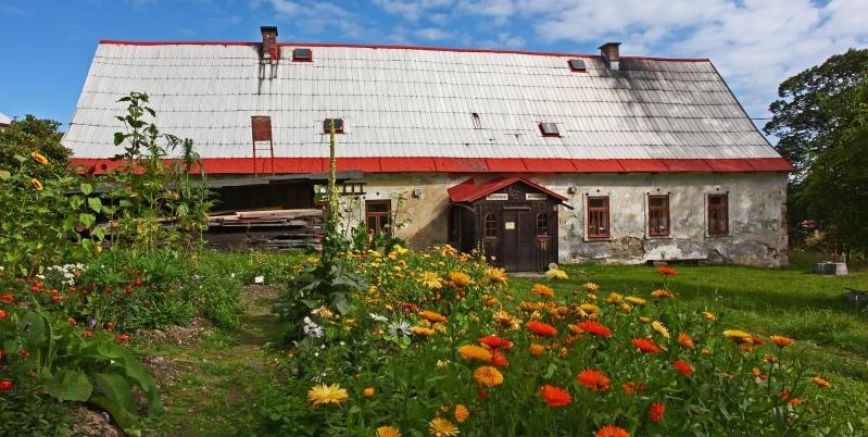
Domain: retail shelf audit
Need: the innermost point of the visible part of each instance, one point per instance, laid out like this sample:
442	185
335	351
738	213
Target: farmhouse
537	157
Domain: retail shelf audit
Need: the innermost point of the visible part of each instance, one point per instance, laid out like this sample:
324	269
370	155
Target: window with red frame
378	216
658	215
718	214
598	217
302	55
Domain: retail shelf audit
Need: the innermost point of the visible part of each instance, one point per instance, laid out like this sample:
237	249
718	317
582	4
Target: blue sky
48	45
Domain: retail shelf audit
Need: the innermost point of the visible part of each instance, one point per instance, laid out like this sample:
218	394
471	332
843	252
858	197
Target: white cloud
432	34
317	16
412	10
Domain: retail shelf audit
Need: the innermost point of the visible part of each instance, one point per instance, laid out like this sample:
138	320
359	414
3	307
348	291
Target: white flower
400	330
312	329
378	318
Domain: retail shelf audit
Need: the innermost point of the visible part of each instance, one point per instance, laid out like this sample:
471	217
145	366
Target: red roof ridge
395	47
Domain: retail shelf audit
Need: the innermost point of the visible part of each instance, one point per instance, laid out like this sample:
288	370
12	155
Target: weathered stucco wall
756	214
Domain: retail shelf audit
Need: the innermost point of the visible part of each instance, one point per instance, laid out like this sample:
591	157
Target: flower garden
369	338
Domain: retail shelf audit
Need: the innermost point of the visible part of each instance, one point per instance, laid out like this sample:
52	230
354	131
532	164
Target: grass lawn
831	334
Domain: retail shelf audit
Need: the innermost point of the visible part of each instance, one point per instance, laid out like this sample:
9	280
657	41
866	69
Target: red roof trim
468	191
394	47
475	165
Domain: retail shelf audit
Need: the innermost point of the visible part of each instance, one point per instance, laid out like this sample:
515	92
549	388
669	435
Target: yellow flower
323	312
461	413
442	364
39	158
635	300
505	320
645	320
474	352
557	273
460	279
431	281
488	376
737	335
537	349
327	394
422	331
613	298
441	427
709	316
36	184
660	328
496	275
590	286
542	290
388	431
432	316
821	382
589	308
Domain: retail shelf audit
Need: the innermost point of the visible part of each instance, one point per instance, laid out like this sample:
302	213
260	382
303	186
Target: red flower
555	397
612	431
596	328
121	338
656	411
633	387
2	314
683	368
6	385
646	345
498	359
109	326
7	298
25	353
87	334
758	341
495	342
667	271
541	328
594	379
137	282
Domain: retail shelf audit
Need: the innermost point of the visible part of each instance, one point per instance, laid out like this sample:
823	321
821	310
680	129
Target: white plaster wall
756	208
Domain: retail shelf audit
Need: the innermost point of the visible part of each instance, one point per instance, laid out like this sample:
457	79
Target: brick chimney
611	54
270	51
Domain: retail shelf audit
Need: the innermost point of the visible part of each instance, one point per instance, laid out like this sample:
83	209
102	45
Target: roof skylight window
327	125
302	55
549	129
577	65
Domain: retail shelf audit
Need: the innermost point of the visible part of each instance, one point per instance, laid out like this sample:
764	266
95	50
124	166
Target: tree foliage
821	120
32	134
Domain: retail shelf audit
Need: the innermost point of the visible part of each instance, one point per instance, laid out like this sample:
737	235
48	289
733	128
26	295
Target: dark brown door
518	238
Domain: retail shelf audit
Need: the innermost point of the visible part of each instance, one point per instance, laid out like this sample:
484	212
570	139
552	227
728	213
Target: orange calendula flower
667	271
542	290
633	387
537	349
656	412
488	376
498	359
590	286
388	431
368	392
496	342
612	431
646	345
541	329
781	341
555	397
422	331
460	279
594	380
661	293
432	316
36	184
593	327
461	413
496	275
683	368
474	352
685	341
39	158
821	382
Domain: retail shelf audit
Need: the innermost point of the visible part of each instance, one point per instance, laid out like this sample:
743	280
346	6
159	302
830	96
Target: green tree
821	120
32	134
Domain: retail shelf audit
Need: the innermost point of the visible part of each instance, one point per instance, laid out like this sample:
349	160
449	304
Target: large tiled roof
410	108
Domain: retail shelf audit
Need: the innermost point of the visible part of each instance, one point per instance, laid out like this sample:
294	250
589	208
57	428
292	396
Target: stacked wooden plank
270	229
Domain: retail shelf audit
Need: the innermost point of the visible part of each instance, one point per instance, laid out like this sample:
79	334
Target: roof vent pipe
269	43
611	54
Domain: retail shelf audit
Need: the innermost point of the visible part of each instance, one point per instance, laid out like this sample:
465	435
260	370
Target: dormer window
302	55
549	129
338	123
577	65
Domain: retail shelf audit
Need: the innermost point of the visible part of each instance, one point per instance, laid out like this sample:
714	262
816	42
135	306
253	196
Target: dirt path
211	381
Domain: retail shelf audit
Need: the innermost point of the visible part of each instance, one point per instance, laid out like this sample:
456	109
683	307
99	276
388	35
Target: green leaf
70	385
113	394
94	203
4	175
87	219
86	188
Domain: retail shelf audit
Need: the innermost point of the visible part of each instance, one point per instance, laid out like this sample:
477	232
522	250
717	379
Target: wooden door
518	240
